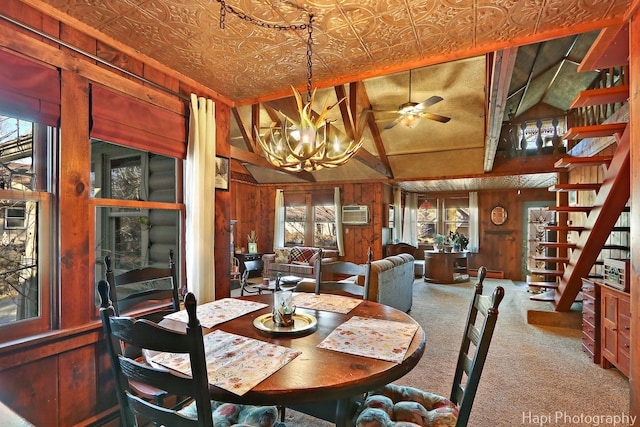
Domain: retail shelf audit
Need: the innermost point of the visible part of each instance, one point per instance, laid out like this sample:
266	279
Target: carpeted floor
534	375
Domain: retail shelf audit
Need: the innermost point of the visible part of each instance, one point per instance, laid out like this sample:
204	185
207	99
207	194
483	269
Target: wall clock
498	215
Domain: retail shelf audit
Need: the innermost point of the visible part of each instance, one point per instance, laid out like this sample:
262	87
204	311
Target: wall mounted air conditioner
355	214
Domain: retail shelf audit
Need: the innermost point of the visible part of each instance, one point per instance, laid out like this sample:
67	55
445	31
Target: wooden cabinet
445	267
591	320
615	328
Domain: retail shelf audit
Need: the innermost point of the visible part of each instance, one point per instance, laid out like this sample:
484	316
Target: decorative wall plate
498	215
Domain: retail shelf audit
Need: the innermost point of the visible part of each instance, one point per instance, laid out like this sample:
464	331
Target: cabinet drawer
588	305
624	325
588	288
624	307
589	329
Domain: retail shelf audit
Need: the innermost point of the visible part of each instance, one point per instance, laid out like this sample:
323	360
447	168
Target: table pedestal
445	267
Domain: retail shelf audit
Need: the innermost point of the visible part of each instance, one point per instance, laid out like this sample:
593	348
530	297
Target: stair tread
558	244
576	187
545	296
545	272
564	228
548	285
551	258
617	247
570	208
595	131
599	96
566	162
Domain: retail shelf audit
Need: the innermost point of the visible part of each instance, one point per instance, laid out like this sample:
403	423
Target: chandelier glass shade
308	142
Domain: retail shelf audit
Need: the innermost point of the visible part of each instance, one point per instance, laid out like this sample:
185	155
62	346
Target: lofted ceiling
368	47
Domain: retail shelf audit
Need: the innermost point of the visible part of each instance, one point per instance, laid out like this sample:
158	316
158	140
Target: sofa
392	281
405	248
297	261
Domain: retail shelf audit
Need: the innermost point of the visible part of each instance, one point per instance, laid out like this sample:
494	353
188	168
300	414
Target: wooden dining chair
196	409
339	269
440	410
144	287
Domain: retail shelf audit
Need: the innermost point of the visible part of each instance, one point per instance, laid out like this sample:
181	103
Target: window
324	219
25	147
441	216
546	129
310	220
137	218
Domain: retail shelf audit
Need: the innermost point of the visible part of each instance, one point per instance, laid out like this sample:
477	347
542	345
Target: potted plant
459	241
252	240
439	245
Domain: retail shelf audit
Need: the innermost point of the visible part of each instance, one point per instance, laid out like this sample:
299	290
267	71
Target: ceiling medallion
308	142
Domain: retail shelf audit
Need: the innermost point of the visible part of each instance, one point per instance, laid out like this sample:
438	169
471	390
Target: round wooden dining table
320	381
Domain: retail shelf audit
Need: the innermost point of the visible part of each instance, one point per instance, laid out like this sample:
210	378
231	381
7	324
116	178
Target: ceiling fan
410	113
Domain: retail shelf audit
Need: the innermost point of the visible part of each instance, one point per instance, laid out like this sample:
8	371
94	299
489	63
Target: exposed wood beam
503	64
246	133
375	131
256	159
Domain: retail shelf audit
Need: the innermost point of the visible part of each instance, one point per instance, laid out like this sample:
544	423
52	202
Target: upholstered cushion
235	415
283	256
302	256
406	406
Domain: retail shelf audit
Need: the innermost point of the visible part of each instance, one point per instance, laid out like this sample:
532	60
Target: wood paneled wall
62	377
500	246
254	209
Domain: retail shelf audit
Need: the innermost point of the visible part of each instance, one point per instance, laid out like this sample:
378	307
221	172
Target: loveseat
392	281
297	261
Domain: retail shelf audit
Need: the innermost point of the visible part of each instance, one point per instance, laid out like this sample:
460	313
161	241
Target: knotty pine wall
500	246
253	206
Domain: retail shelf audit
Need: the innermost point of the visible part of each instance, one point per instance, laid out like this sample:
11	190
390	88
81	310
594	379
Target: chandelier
309	141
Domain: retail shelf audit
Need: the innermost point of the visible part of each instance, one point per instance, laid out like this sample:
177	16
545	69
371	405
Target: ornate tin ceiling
443	41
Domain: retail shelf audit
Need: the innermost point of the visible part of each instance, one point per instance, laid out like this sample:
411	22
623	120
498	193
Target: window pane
324	235
427	221
294	223
135	238
456	212
126	178
19	265
24	148
124	173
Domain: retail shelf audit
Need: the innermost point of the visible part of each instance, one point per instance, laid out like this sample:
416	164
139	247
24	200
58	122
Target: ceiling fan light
410	120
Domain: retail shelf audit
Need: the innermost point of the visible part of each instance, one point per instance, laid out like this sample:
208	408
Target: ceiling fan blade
436	117
393	123
429	102
381	111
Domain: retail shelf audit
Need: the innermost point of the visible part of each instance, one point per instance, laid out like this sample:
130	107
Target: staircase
575	259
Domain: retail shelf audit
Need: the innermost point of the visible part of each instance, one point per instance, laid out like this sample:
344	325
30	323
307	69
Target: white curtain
397	214
200	200
410	225
278	222
338	209
474	232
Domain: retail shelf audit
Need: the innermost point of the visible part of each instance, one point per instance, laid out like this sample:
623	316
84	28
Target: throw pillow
282	256
302	255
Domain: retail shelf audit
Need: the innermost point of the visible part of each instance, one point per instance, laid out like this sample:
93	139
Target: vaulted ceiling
368	47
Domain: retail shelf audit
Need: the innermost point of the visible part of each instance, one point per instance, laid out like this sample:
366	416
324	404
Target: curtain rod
93	57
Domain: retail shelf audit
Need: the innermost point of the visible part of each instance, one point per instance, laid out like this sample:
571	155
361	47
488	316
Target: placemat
325	302
220	311
234	363
376	338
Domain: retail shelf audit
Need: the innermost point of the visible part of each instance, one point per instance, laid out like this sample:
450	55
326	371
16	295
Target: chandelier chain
224	8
